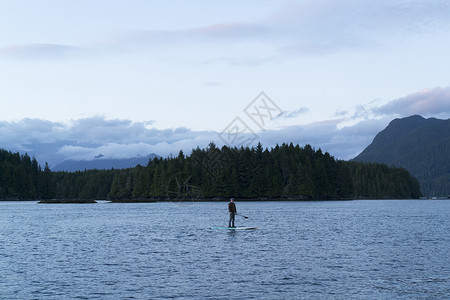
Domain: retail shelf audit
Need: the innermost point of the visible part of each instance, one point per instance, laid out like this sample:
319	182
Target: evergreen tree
280	172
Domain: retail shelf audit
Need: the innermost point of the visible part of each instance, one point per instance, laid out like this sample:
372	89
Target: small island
67	201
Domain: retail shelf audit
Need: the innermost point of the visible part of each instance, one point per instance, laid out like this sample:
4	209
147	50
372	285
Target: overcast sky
124	78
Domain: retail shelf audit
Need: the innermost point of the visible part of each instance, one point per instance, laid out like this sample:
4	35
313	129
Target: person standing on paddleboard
233	212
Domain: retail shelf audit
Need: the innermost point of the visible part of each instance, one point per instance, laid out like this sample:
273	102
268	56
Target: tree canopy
282	172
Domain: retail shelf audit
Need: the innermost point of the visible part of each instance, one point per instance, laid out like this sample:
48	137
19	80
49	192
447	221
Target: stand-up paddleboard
235	228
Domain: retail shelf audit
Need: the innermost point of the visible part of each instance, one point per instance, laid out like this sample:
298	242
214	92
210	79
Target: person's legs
232	219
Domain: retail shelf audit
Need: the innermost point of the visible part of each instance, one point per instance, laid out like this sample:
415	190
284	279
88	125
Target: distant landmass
421	146
100	163
285	172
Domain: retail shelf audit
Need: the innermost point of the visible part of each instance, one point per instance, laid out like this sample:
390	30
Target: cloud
207	33
341	113
241	60
292	114
426	102
343	143
311	27
337	23
212	83
39	51
18	134
231	31
86	139
109	151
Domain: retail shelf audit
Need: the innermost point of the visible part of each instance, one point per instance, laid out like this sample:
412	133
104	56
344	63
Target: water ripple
308	250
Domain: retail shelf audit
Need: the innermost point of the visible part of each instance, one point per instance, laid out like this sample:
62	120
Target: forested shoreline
284	172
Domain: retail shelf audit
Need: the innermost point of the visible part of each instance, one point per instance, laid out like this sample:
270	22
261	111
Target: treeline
23	178
283	172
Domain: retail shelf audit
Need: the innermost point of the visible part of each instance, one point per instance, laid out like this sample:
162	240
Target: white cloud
427	102
342	143
293	114
106	151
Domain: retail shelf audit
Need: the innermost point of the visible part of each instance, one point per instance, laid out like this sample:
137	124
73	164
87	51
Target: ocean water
382	249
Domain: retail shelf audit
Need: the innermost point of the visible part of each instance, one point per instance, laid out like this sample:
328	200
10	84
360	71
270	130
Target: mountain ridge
101	163
422	146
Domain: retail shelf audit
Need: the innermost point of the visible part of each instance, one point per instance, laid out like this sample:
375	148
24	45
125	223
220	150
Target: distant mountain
103	164
422	146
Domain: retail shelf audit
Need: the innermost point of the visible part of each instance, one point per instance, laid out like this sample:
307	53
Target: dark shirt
231	207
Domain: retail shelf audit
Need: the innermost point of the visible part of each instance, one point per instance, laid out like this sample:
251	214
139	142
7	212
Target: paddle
242	216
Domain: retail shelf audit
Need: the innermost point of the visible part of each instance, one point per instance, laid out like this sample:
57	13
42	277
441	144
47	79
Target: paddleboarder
233	212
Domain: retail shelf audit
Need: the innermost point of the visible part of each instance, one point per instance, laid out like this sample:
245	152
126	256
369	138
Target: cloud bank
85	139
434	101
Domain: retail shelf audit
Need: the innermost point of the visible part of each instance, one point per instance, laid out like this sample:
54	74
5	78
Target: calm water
317	250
